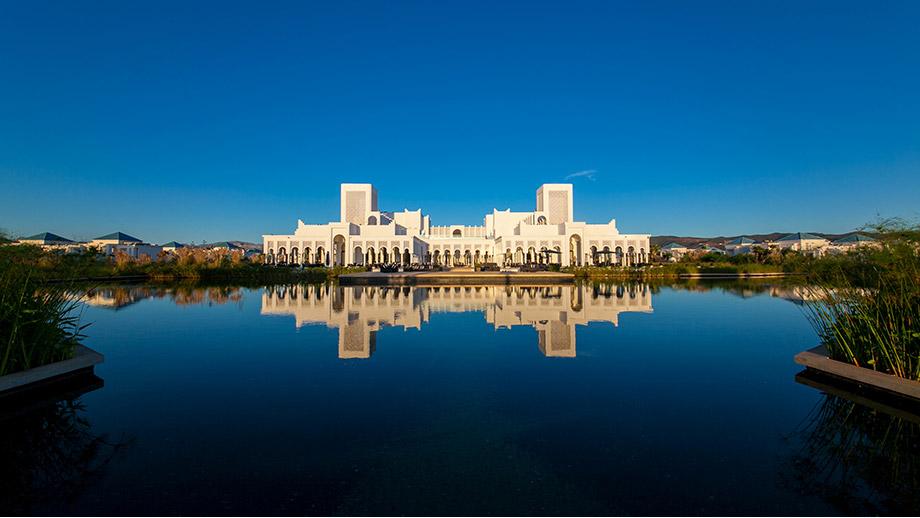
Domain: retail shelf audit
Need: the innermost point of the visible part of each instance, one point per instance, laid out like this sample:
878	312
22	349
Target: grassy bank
868	307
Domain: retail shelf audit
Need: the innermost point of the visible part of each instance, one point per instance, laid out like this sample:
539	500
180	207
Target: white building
674	251
52	242
111	244
852	242
802	242
366	235
172	246
740	245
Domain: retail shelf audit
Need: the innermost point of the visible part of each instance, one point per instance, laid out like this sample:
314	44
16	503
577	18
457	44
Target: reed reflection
49	451
360	311
860	454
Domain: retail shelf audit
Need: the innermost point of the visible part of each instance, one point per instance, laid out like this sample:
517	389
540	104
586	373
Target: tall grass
39	324
867	310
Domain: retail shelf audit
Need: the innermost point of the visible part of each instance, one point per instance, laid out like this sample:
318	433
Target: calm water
626	399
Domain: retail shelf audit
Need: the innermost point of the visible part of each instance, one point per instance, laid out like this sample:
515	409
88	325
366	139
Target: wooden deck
817	359
453	277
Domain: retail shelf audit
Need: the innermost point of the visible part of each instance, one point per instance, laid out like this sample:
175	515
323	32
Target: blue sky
207	121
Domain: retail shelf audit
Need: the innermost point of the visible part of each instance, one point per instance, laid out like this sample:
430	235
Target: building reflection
358	312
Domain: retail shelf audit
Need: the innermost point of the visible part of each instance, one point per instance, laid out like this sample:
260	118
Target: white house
111	244
851	242
740	245
674	251
366	235
802	242
172	246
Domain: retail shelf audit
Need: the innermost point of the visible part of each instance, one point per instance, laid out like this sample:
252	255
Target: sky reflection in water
629	399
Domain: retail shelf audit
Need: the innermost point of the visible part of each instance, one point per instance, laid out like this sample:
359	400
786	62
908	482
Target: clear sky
213	120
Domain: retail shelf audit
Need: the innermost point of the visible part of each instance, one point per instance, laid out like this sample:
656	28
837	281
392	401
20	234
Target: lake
585	399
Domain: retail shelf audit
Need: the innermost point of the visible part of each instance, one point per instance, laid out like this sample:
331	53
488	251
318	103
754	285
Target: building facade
366	235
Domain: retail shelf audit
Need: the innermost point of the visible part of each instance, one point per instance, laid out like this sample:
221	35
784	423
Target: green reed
867	311
39	324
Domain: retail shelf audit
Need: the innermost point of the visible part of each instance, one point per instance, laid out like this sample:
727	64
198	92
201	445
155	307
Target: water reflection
860	454
360	311
48	449
118	297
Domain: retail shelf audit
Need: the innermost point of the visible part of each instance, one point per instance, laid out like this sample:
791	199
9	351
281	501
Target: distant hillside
720	240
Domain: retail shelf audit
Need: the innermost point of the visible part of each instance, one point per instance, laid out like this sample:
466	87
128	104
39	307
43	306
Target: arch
531	255
642	259
467	258
509	257
428	257
575	252
593	255
307	258
606	258
447	257
282	255
358	257
558	254
384	256
407	257
541	220
519	256
457	233
436	258
456	256
630	256
320	256
397	255
271	256
338	250
477	257
294	255
372	220
618	252
371	256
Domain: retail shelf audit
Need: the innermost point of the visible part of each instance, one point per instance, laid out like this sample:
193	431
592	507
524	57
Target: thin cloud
587	173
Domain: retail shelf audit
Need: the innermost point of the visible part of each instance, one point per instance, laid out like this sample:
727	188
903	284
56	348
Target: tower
555	201
358	200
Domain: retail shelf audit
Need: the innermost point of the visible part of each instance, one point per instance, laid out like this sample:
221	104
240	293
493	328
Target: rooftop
799	236
741	241
119	236
47	236
854	238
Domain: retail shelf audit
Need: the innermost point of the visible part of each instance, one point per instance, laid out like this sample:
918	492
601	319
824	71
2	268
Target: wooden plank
816	358
84	358
881	400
